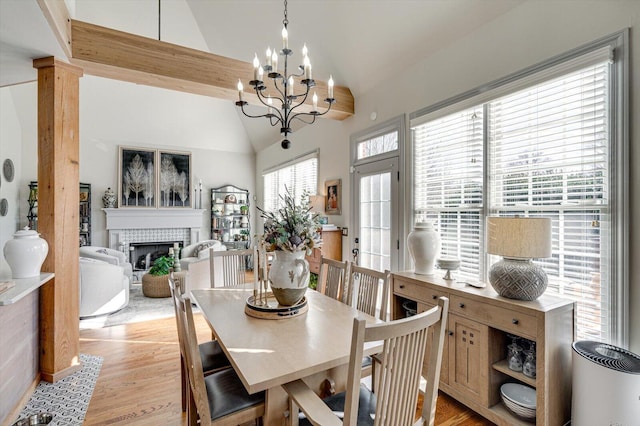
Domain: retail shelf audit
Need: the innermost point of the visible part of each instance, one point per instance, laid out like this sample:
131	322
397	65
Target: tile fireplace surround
153	225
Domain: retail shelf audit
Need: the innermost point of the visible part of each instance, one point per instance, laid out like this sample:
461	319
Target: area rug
68	398
140	308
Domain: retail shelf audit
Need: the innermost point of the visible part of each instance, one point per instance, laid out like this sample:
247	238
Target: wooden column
58	200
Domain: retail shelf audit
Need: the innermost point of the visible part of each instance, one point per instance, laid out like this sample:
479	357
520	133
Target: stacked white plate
520	399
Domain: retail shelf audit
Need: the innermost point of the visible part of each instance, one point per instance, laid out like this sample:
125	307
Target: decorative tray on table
270	309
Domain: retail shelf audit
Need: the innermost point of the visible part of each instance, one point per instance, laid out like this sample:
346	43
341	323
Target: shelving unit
230	217
474	364
84	215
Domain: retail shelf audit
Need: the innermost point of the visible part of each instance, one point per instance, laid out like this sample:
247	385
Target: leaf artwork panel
137	177
175	177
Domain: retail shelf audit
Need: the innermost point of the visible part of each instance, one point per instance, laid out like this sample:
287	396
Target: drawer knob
434	297
462	305
515	321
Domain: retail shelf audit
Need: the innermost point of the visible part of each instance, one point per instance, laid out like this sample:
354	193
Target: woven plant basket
156	285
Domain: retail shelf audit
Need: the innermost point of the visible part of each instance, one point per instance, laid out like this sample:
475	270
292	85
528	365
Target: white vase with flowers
290	232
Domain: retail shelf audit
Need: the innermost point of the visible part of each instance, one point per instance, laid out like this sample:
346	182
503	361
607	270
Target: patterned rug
68	398
140	308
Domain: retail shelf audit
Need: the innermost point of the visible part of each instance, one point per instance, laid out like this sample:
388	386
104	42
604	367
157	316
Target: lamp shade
519	237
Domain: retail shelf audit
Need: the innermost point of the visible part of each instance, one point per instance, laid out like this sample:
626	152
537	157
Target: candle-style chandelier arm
314	114
242	104
271	109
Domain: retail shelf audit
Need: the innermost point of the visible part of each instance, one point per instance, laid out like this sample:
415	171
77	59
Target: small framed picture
333	197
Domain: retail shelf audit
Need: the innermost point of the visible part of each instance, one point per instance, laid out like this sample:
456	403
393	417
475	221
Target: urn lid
424	225
26	233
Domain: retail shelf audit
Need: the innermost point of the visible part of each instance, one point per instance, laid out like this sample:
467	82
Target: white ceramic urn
25	253
424	247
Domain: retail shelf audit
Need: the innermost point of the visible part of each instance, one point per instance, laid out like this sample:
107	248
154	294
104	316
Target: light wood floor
139	383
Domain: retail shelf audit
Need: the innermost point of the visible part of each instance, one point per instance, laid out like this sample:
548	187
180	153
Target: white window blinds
448	175
542	150
298	176
549	148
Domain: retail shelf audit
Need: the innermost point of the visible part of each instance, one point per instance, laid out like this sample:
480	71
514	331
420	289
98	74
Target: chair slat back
193	361
331	279
234	265
367	285
401	366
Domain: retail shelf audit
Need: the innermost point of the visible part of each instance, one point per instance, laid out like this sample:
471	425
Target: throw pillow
203	248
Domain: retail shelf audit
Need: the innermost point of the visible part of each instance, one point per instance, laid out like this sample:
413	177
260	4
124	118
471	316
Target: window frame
618	44
291	163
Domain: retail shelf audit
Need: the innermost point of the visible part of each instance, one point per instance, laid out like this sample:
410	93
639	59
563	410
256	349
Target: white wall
529	34
10	148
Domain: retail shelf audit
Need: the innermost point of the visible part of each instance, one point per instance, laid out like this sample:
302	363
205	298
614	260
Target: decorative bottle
109	199
424	247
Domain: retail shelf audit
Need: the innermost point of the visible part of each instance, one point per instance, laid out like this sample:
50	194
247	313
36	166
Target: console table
474	364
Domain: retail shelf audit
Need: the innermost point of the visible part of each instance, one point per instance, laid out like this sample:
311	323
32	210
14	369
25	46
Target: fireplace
130	229
142	255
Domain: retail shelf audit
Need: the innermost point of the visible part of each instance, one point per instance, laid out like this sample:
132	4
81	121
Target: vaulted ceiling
361	43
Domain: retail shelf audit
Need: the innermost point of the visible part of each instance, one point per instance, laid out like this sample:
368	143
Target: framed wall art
174	184
137	177
333	197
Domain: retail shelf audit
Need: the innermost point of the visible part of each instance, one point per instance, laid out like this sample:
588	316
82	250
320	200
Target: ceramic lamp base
518	279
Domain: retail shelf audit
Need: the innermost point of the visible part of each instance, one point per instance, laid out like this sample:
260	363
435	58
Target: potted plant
155	283
291	232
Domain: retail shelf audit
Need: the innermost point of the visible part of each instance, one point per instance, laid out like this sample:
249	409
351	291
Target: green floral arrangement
161	266
292	227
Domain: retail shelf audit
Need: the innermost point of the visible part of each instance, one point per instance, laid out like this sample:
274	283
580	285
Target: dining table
267	353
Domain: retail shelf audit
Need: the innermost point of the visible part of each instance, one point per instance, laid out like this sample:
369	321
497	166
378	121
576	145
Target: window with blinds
297	177
548	151
448	175
541	151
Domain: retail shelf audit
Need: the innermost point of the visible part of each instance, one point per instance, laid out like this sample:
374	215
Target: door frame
394	124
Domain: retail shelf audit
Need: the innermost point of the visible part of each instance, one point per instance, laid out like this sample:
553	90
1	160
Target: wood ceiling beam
123	56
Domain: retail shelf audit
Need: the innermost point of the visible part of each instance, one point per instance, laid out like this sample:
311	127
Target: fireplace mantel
124	221
153	218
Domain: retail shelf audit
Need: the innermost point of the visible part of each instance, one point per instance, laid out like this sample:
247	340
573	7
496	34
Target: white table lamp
518	240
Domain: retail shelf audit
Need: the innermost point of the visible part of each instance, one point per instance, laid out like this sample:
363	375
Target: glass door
376	239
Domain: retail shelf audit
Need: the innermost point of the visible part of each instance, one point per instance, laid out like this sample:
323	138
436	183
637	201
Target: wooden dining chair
212	357
229	268
219	398
369	286
332	279
402	357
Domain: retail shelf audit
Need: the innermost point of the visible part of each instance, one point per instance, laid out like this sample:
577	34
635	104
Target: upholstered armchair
104	287
194	258
115	257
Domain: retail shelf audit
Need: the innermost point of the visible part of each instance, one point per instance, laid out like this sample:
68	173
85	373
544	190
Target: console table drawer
417	292
504	319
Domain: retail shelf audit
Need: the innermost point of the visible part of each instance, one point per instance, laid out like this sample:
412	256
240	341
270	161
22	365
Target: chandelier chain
285	22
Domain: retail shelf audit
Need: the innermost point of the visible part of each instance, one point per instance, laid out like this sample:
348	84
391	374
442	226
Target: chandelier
284	95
